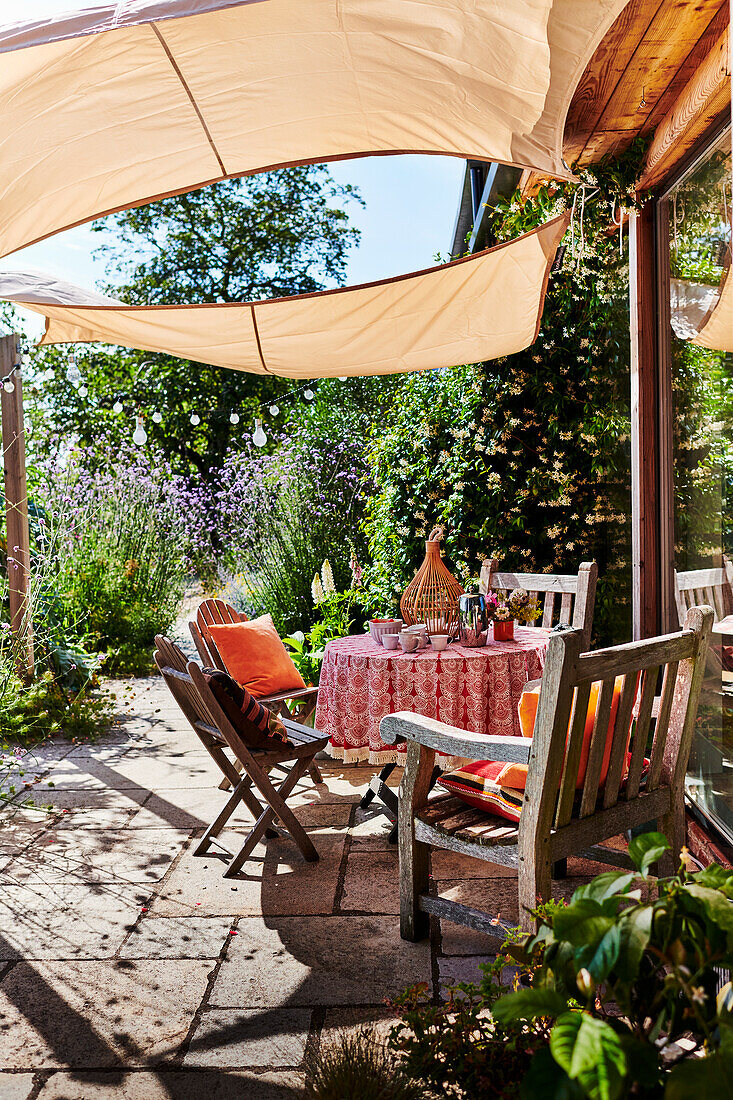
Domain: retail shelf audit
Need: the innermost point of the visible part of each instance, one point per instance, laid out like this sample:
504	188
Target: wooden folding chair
559	817
211	725
213	612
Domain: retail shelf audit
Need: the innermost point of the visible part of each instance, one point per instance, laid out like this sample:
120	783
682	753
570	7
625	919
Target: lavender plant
123	553
275	518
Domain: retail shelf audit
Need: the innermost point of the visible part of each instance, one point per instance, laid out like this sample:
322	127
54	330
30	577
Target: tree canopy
275	234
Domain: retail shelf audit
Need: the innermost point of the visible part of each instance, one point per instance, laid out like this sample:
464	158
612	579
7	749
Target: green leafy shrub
335	610
122	558
621	997
525	458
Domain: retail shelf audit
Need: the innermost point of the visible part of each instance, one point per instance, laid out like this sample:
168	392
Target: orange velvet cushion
255	656
515	775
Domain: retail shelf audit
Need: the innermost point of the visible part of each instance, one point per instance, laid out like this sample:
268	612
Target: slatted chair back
212	612
553	805
705	586
172	662
567	598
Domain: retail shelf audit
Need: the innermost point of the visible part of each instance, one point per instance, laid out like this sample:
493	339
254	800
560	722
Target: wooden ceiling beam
704	96
601	77
655	61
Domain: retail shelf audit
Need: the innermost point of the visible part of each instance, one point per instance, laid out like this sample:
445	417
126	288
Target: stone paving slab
96	855
228	1038
326	961
194	937
63	921
272	885
94	1014
173	1085
16	1086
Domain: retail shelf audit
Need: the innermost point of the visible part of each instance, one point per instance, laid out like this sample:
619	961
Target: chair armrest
281	696
406	726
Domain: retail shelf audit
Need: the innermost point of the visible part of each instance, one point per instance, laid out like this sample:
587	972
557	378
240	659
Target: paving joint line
341	877
185	1044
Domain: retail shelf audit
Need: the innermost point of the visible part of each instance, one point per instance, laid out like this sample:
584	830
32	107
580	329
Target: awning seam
189	93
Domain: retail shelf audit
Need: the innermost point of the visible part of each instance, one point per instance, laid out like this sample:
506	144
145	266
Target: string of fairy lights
140	436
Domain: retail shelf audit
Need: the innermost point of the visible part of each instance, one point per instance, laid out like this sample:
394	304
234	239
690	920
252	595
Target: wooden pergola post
16	506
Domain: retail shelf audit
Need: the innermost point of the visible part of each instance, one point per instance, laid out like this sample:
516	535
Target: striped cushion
258	727
476	784
480	784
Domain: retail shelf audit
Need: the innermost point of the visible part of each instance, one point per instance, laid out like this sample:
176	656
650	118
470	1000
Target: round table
473	689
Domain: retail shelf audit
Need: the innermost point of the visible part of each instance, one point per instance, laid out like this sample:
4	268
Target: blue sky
411	203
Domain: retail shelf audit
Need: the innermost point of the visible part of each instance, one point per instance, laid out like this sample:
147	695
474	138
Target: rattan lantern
431	597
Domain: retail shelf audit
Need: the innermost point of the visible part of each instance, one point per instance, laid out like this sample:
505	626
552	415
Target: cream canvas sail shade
478	308
716	331
119	104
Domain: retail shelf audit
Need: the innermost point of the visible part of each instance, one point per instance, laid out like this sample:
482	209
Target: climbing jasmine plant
525	458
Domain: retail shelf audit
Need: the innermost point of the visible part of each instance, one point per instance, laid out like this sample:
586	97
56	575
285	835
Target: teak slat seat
214	612
247	771
559	817
577	593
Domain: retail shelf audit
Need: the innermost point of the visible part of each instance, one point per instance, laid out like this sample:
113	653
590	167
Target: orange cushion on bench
256	657
514	775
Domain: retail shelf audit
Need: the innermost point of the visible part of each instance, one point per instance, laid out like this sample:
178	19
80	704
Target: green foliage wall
525	458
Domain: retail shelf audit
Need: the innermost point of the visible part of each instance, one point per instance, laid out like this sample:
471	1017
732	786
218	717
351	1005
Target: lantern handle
436	534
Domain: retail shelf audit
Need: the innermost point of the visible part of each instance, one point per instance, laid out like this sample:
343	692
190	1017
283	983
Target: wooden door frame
652	406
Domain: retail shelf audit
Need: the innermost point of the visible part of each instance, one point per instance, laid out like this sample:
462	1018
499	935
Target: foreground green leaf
590	1052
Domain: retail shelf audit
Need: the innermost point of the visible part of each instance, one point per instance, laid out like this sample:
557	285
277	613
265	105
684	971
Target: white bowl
439	641
384	626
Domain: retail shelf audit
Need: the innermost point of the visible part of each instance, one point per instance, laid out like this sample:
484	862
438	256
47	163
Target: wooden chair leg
276	806
238	795
314	773
534	886
414	856
674	828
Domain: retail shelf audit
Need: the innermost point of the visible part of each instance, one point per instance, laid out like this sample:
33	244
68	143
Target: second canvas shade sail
475	309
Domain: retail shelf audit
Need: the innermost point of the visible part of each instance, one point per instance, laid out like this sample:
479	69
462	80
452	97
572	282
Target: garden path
130	968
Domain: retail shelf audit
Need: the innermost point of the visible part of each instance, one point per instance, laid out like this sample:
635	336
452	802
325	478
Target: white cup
409	641
439	641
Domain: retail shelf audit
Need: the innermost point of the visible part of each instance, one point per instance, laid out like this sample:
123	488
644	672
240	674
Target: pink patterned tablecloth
473	689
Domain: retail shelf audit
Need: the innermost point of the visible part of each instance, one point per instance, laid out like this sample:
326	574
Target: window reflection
699	224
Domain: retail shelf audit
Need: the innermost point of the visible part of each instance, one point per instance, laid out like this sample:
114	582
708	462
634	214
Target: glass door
697	212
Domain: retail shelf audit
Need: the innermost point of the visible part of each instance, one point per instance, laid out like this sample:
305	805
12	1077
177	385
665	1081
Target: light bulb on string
82	391
308	395
195	419
274	410
139	436
117	407
259	438
73	374
343	377
157	417
8	385
234	418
